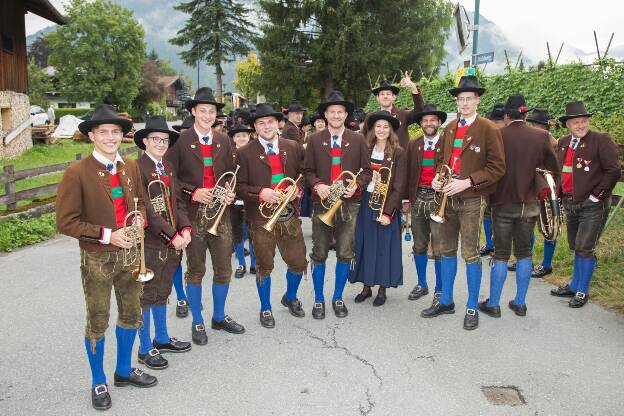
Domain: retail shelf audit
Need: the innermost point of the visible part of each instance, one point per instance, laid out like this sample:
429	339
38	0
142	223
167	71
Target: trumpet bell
437	218
143	277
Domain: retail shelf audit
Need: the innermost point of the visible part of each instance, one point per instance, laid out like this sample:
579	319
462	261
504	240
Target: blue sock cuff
96	361
219	296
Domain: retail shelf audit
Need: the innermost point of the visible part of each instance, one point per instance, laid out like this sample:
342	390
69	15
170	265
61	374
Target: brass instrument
133	228
550	213
161	202
275	210
379	196
334	201
214	209
448	177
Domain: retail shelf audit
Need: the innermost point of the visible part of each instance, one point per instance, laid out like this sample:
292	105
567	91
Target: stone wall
15	109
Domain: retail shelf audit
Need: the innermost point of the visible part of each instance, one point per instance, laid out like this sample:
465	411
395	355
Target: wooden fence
9	177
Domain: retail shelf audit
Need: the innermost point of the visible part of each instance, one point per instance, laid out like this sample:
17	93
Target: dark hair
371	140
516	115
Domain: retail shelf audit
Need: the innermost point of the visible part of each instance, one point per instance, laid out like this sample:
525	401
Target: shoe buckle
153	352
100	389
182	302
138	372
580	295
339	303
200	327
227	319
318	305
266	314
172	340
471	312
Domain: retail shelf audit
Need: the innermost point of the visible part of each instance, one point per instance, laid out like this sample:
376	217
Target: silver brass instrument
214	209
334	201
272	211
379	196
448	177
133	228
161	201
550	212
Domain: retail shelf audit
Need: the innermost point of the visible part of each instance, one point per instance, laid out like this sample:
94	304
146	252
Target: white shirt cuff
593	198
106	236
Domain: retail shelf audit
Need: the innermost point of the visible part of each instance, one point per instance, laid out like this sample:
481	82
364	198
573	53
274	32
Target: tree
150	90
218	31
38	84
248	76
39	51
99	53
325	44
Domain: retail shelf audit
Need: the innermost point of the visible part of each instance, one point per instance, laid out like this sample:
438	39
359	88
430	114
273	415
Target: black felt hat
316	116
104	114
382	115
265	110
540	116
295	107
385	85
335	98
187	123
239	128
497	112
155	124
574	109
516	104
430	110
468	83
203	96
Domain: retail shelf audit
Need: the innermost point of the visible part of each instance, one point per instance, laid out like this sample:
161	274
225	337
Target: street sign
483	58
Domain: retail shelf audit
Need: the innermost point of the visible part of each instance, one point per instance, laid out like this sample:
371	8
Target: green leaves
15	232
38	84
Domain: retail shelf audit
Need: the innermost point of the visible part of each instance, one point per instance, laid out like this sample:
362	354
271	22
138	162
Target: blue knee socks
125	340
549	253
473	274
219	295
239	250
292	284
178	285
342	274
421	268
318	279
498	275
438	275
96	361
487	230
194	293
145	337
576	272
524	268
160	324
448	269
264	293
587	270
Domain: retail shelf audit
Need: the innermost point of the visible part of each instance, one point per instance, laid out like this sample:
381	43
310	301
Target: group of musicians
192	192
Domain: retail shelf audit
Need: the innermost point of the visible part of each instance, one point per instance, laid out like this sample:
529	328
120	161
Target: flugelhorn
161	200
379	196
448	177
334	201
550	213
273	211
214	209
133	228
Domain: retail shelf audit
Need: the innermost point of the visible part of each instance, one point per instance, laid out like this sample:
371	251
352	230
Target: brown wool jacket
414	165
292	132
398	182
186	160
255	173
526	148
482	157
159	230
355	156
84	204
406	117
599	153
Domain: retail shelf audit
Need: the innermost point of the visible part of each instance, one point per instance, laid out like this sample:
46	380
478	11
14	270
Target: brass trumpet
550	213
275	210
379	196
334	201
161	201
214	209
133	228
448	177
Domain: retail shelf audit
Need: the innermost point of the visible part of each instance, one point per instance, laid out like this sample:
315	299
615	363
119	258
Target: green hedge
600	86
78	112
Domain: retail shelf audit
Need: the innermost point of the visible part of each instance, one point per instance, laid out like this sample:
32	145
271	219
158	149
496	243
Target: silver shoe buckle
100	389
182	302
153	352
580	295
318	305
339	303
138	372
471	312
199	327
266	314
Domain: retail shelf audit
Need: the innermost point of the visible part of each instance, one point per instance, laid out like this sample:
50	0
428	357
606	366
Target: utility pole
475	33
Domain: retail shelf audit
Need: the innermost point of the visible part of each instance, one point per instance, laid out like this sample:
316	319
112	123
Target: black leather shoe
511	267
199	334
471	320
484	251
318	310
137	378
519	310
379	300
266	319
340	310
174	345
154	360
563	292
579	300
240	272
363	295
437	308
100	399
229	325
541	271
182	309
294	307
418	292
493	311
252	269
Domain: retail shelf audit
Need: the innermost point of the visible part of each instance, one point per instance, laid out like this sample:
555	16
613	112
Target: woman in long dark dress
378	257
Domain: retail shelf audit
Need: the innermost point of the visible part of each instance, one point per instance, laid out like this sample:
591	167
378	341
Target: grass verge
15	233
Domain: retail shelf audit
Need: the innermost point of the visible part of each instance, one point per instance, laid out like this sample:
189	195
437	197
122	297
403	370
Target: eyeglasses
158	140
465	99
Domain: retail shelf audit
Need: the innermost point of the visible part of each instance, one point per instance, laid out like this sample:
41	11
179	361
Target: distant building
171	86
56	98
15	133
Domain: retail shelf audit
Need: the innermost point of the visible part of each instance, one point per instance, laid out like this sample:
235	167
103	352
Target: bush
78	112
15	232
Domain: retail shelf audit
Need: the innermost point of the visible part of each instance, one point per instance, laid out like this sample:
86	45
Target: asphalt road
378	361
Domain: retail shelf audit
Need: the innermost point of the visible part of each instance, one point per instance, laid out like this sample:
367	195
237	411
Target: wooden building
14	104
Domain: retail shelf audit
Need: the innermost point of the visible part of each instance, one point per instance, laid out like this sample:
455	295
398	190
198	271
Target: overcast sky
527	23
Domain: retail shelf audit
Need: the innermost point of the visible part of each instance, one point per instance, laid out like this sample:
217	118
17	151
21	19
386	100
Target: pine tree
218	31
